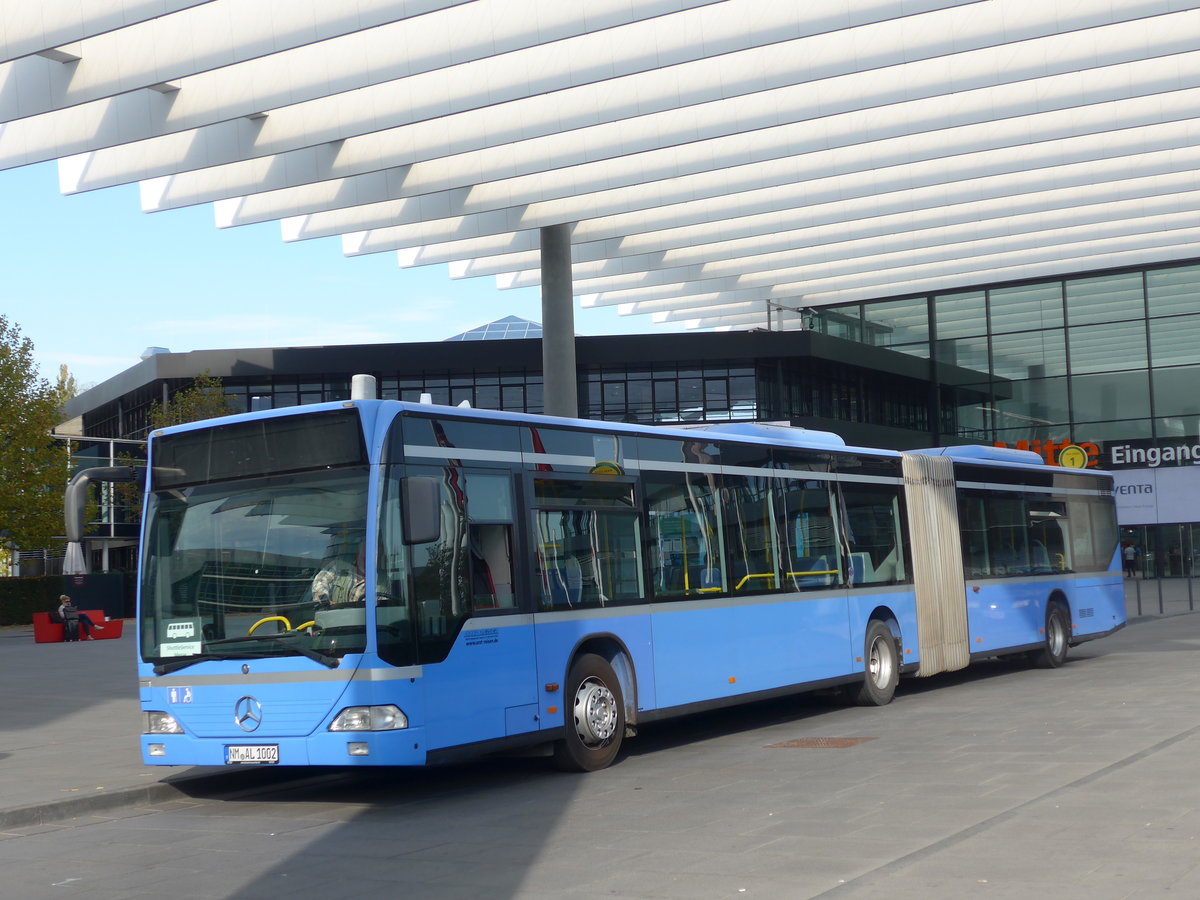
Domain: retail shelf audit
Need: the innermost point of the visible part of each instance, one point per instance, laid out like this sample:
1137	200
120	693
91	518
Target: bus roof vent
985	453
362	387
426	399
772	431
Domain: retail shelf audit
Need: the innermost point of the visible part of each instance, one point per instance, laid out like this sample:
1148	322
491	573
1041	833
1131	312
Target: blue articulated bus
386	583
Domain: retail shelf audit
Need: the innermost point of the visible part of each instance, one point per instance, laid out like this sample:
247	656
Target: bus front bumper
405	747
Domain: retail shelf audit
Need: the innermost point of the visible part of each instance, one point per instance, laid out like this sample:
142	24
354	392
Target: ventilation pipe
73	507
362	387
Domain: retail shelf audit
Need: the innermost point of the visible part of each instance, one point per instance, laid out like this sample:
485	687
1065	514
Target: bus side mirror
421	509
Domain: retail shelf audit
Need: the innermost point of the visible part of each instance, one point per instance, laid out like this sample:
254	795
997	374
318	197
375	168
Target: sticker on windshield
179	630
180	637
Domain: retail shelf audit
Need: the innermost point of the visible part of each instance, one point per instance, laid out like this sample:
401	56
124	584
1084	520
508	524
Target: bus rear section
1035	546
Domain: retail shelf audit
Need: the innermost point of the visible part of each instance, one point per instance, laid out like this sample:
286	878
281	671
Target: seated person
340	583
66	614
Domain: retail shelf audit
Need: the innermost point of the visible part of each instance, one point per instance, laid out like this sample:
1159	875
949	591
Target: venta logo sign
1086	454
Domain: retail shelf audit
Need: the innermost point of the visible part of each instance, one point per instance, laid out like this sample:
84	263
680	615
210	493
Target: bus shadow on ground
383	786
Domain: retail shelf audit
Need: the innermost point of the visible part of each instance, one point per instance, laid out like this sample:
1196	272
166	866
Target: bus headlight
157	722
370	718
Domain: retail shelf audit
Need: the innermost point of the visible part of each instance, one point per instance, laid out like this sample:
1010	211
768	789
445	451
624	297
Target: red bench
46	631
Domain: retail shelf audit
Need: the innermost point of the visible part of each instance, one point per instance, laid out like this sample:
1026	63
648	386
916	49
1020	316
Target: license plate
251	754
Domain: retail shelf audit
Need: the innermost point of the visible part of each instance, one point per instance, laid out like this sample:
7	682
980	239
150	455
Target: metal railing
1160	596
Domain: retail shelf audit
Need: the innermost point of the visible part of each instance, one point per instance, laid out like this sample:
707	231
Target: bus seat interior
813	564
491	567
891	569
1039	558
564	581
862	570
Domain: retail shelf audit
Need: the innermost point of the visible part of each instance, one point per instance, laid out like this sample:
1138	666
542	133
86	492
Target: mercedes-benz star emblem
247	712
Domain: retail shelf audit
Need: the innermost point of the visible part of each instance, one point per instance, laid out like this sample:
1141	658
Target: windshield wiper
184	661
323	658
265	636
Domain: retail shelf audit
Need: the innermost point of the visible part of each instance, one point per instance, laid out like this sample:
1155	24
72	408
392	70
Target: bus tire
882	666
594	714
1058	634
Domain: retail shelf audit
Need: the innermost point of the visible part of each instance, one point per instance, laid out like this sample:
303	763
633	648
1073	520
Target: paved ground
1001	782
69	719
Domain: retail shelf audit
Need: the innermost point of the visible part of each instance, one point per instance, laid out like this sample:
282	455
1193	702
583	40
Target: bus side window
687	546
469	566
972	523
587	542
491	566
810	554
751	535
489	540
1047	547
873	533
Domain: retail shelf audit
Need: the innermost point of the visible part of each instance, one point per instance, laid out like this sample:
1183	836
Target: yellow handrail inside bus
745	578
287	626
812	572
309	624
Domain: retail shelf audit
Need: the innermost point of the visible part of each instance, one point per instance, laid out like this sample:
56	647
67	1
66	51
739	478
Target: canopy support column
558	323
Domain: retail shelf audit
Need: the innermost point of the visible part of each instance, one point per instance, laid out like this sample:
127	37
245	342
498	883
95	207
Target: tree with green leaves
66	388
204	399
33	466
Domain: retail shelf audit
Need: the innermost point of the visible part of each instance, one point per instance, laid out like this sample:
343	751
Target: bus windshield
256	567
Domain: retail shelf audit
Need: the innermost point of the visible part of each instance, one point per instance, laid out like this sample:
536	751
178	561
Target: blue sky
93	281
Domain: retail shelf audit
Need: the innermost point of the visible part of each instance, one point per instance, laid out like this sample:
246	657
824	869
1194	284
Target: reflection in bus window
972	523
751	534
1007	534
587	558
468	569
810	553
687	539
874	534
1047	546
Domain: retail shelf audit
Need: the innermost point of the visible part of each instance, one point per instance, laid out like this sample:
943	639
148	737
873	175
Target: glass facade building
1104	361
1109	359
872	396
1109	362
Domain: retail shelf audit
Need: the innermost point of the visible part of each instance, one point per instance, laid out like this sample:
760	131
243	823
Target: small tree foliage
33	466
66	388
205	399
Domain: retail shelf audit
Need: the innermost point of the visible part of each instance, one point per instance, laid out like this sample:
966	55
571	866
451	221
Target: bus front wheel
594	714
1058	634
882	667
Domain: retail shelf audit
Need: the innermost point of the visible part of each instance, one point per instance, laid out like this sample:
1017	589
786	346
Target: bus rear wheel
882	667
1058	634
595	716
